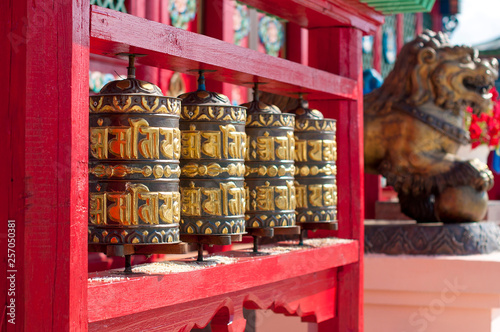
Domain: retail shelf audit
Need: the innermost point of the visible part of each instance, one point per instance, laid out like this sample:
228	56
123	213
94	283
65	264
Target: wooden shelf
171	48
251	279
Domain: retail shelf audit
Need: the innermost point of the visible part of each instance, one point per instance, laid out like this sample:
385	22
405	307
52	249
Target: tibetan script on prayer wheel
269	161
134	151
213	145
315	166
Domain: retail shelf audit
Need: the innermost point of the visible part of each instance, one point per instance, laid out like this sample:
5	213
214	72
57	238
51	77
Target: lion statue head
429	69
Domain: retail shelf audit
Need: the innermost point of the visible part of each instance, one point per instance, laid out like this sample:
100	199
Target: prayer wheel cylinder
269	176
134	164
212	164
315	166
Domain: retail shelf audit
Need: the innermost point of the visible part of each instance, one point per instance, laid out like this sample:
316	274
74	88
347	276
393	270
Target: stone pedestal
407	237
432	293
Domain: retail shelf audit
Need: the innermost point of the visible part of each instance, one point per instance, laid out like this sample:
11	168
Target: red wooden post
150	10
399	32
373	189
297	43
373	193
164	75
419	23
47	56
218	23
377	50
345	60
437	17
137	8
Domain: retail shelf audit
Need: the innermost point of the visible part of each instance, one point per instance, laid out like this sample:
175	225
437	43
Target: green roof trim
388	7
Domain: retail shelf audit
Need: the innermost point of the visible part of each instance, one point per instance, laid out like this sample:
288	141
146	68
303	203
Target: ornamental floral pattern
241	23
271	34
182	12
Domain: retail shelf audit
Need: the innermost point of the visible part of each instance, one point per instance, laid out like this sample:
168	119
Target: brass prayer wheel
134	164
213	144
269	161
315	166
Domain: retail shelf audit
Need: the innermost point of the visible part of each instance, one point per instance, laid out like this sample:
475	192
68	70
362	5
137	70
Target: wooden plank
298	43
126	297
167	47
346	61
323	13
49	53
219	24
308	296
10	181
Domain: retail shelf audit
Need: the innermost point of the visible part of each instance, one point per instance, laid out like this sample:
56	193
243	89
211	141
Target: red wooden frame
47	54
261	286
113	32
45	70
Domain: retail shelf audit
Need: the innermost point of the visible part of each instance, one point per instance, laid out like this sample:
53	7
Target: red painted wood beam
48	122
127	297
113	32
323	13
308	296
346	61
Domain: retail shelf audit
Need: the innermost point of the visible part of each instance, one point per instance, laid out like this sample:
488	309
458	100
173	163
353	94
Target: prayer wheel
269	161
213	144
315	166
134	164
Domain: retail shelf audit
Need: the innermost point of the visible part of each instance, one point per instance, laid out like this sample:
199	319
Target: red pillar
219	26
373	190
150	10
419	23
399	32
377	50
47	56
338	50
437	18
297	45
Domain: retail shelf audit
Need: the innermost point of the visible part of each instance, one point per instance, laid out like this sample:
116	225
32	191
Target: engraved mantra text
315	150
270	198
133	206
126	144
226	142
317	195
274	148
228	199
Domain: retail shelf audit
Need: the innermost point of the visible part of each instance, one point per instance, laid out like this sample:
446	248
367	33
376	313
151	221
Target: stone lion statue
414	125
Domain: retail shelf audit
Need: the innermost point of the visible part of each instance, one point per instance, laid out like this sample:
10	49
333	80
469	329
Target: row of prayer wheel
163	167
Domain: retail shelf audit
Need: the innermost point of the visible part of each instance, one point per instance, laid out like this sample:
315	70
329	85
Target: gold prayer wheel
269	161
213	144
315	166
134	164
